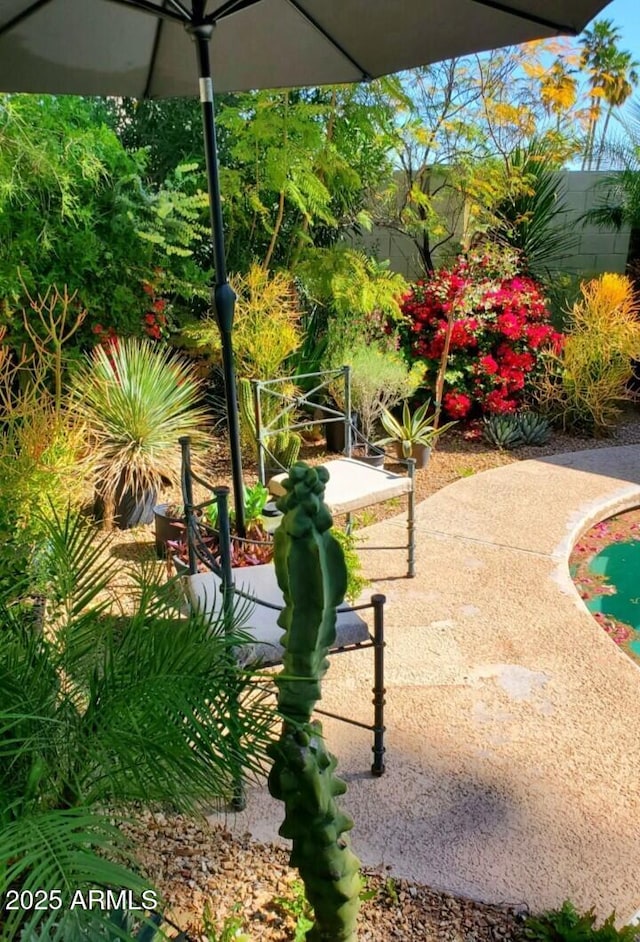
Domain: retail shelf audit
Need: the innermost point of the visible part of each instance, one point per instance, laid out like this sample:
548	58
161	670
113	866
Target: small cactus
534	428
503	431
312	575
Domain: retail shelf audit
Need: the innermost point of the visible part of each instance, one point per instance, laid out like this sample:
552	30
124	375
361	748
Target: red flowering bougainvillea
155	322
500	325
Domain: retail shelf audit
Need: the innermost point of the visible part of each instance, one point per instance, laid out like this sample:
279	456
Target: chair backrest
291	403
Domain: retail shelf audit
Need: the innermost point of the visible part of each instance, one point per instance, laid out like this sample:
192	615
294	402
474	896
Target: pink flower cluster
500	326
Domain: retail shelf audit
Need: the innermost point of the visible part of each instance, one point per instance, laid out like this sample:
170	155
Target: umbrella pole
223	296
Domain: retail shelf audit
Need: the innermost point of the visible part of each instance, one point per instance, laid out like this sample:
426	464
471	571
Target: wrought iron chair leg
377	767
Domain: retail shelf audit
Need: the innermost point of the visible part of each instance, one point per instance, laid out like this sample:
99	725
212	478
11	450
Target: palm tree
612	76
620	84
98	713
618	204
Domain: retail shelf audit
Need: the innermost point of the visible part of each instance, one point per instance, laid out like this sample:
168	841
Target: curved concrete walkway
513	743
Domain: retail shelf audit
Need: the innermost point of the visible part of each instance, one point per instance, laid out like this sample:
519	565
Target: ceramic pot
374	458
420	453
131	507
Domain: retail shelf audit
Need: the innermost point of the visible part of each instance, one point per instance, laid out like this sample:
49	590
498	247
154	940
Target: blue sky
626	15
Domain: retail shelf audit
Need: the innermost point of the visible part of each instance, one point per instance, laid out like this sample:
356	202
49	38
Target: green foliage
255	498
231	929
99	712
297	907
360	296
416	429
584	382
356	582
567	925
379	381
534	428
266	325
283	447
516	429
42	445
530	216
137	401
312	576
74	211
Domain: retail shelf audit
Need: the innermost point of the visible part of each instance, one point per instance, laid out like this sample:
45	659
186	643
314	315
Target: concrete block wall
594	250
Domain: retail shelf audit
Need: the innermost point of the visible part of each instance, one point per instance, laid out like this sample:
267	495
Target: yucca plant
137	401
99	713
416	429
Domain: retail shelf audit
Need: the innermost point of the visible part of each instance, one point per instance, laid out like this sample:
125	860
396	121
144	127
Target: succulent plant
534	428
503	431
312	575
284	445
416	429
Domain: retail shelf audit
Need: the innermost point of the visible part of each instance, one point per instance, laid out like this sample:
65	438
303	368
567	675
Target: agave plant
503	431
99	713
416	429
137	401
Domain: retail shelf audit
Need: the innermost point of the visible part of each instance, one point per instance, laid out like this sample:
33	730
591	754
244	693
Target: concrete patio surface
513	721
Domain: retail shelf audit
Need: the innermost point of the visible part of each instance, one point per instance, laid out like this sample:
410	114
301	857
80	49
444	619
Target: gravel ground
196	865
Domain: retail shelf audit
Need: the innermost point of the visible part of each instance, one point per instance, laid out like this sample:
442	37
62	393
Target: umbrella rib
531	17
234	6
24	15
336	45
152	61
146	6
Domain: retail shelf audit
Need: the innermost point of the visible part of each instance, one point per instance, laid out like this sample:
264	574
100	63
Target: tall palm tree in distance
612	78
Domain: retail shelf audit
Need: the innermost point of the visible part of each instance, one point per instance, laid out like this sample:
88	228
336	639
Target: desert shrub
498	322
380	379
266	328
584	382
42	444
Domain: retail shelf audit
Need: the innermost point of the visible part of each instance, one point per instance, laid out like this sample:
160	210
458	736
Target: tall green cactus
285	444
312	576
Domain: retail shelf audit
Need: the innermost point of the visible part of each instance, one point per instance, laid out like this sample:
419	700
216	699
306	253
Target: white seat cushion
353	485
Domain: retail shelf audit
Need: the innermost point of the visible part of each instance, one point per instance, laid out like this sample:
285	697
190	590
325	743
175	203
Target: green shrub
99	712
379	381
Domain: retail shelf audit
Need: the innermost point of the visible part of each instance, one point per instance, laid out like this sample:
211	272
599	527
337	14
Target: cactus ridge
312	576
284	445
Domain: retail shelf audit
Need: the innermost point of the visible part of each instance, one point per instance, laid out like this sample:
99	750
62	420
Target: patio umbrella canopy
144	48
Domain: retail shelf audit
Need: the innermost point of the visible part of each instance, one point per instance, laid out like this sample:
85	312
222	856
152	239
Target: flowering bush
499	325
155	322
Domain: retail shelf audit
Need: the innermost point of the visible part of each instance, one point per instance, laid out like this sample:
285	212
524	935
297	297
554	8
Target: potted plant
137	401
414	434
169	526
380	379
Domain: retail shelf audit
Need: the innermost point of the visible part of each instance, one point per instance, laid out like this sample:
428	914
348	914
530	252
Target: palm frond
64	851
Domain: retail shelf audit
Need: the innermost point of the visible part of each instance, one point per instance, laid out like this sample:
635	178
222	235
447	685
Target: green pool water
618	564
